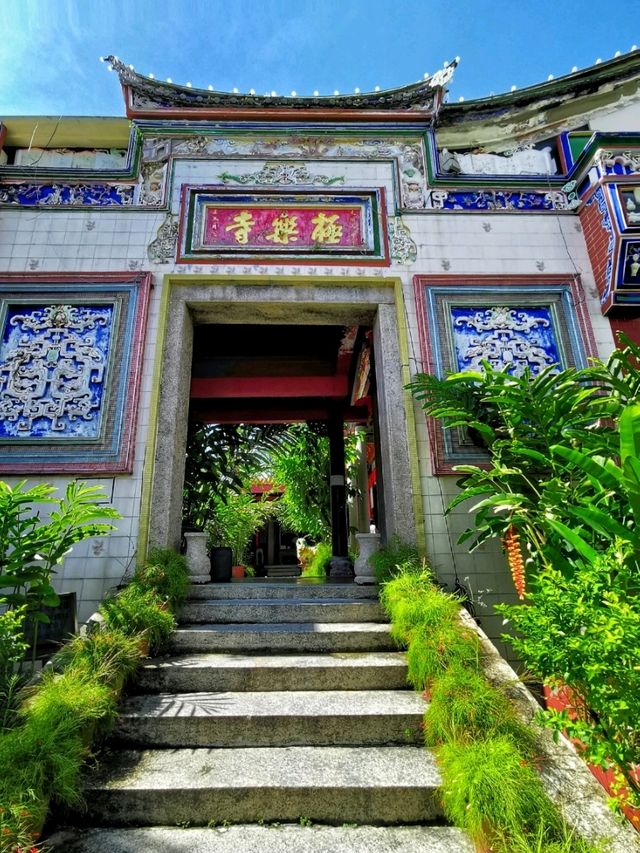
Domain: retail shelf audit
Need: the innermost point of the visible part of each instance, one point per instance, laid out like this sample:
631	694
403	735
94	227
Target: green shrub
584	632
13	647
317	568
76	697
45	761
393	558
489	791
432	650
464	707
412	600
45	757
107	653
166	574
30	548
138	612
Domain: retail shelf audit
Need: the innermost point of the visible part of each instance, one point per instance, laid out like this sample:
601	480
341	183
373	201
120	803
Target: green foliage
520	418
107	654
75	696
13	647
30	548
584	631
411	601
490	787
563	480
393	558
493	794
222	458
317	568
301	467
463	706
75	701
234	519
433	649
138	612
166	573
45	757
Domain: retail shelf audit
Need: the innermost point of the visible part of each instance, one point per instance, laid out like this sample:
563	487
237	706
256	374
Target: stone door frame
188	300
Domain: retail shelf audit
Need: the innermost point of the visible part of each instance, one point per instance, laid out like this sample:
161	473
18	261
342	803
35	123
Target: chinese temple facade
230	258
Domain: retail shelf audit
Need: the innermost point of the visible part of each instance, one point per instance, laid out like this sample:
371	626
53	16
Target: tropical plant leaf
574	539
600	474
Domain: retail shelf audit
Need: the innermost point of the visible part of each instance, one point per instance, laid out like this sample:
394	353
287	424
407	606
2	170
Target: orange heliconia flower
514	556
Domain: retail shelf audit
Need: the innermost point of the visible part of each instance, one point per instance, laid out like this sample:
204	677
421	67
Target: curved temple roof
146	96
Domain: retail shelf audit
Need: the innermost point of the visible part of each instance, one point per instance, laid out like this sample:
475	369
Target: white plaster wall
86	241
622	117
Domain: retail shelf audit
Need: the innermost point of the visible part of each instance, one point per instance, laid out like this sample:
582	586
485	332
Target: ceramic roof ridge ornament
146	95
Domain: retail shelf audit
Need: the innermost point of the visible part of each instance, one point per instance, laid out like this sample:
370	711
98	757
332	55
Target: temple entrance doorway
281	449
260	350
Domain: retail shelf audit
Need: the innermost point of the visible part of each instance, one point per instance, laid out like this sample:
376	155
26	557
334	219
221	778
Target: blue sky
49	49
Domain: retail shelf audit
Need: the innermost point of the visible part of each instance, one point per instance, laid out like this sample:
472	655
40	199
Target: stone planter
368	544
197	558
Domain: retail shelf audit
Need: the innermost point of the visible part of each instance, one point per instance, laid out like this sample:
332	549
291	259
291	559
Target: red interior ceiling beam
269	386
279	415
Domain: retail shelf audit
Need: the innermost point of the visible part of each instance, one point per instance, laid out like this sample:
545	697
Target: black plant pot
221	562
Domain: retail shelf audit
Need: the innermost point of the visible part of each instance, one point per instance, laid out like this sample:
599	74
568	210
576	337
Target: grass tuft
412	600
108	654
465	707
74	696
492	793
138	612
166	574
433	649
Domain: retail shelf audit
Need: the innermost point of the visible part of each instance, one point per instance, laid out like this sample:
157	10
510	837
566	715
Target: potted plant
236	518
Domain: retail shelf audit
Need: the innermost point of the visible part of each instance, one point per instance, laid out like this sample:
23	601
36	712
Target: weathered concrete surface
234	672
266	839
269	611
315	718
371	785
302	588
565	777
292	637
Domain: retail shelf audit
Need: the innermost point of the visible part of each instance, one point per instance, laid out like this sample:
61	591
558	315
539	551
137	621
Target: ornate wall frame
534	320
70	370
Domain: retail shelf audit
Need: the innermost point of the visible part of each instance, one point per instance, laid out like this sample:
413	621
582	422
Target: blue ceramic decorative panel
73	195
53	369
499	200
511	338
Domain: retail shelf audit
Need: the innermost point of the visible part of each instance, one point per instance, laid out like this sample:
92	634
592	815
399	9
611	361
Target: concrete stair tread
270	610
265	839
287	602
228	660
220	671
314	704
266	637
287	627
295	767
282	589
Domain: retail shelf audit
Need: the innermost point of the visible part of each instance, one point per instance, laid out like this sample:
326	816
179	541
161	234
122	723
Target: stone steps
248	838
302	588
234	672
284	637
334	785
297	715
311	718
285	571
270	611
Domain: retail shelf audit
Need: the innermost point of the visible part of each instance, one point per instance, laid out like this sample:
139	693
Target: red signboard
274	227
